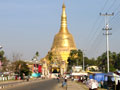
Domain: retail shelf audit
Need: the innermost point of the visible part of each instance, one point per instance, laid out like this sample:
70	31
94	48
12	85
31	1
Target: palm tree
37	54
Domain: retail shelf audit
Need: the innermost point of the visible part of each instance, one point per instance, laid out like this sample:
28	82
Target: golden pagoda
63	40
62	45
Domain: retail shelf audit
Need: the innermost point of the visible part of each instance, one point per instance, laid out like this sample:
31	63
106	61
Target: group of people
64	80
92	84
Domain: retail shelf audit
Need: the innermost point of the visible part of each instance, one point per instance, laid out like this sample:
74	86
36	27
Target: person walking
92	84
64	81
28	78
58	78
72	78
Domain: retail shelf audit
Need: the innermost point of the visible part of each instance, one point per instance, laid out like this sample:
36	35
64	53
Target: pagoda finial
63	5
63	20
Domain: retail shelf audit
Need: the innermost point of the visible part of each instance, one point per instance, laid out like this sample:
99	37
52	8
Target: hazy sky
27	26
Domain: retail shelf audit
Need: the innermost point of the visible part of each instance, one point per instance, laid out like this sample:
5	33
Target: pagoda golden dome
63	39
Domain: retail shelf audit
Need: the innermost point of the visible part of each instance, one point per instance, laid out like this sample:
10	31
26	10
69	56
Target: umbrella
92	84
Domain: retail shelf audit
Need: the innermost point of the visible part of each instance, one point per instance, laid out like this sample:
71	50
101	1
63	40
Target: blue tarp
111	76
35	74
90	76
101	76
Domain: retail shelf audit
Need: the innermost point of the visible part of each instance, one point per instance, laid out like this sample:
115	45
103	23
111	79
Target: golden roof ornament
63	28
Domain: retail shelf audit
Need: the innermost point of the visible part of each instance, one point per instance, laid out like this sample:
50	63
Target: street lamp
0	47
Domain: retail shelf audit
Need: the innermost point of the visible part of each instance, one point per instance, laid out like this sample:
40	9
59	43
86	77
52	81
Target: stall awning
79	74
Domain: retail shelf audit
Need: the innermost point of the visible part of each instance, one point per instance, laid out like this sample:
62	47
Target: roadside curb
16	84
11	85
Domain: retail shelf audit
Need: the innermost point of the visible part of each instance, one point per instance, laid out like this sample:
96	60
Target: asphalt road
38	85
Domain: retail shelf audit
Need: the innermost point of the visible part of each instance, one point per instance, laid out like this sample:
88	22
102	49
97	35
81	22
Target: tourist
66	79
58	78
72	78
28	77
92	84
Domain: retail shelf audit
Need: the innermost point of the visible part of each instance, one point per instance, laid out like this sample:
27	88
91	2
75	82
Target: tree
90	62
75	58
5	66
117	62
36	56
4	62
20	68
102	61
2	58
113	58
17	56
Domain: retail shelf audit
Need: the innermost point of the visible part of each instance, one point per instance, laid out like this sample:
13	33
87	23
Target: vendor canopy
97	76
79	74
103	76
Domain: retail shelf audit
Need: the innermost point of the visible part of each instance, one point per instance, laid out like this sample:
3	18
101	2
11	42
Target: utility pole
107	34
77	62
83	63
83	60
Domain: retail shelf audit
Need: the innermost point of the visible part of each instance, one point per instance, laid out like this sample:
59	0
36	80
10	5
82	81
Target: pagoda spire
63	28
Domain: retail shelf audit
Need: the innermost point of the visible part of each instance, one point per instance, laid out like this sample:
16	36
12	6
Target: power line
98	21
112	5
95	43
98	46
115	21
95	36
117	14
98	18
115	18
104	5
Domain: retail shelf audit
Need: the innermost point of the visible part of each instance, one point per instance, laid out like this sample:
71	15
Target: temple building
56	59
